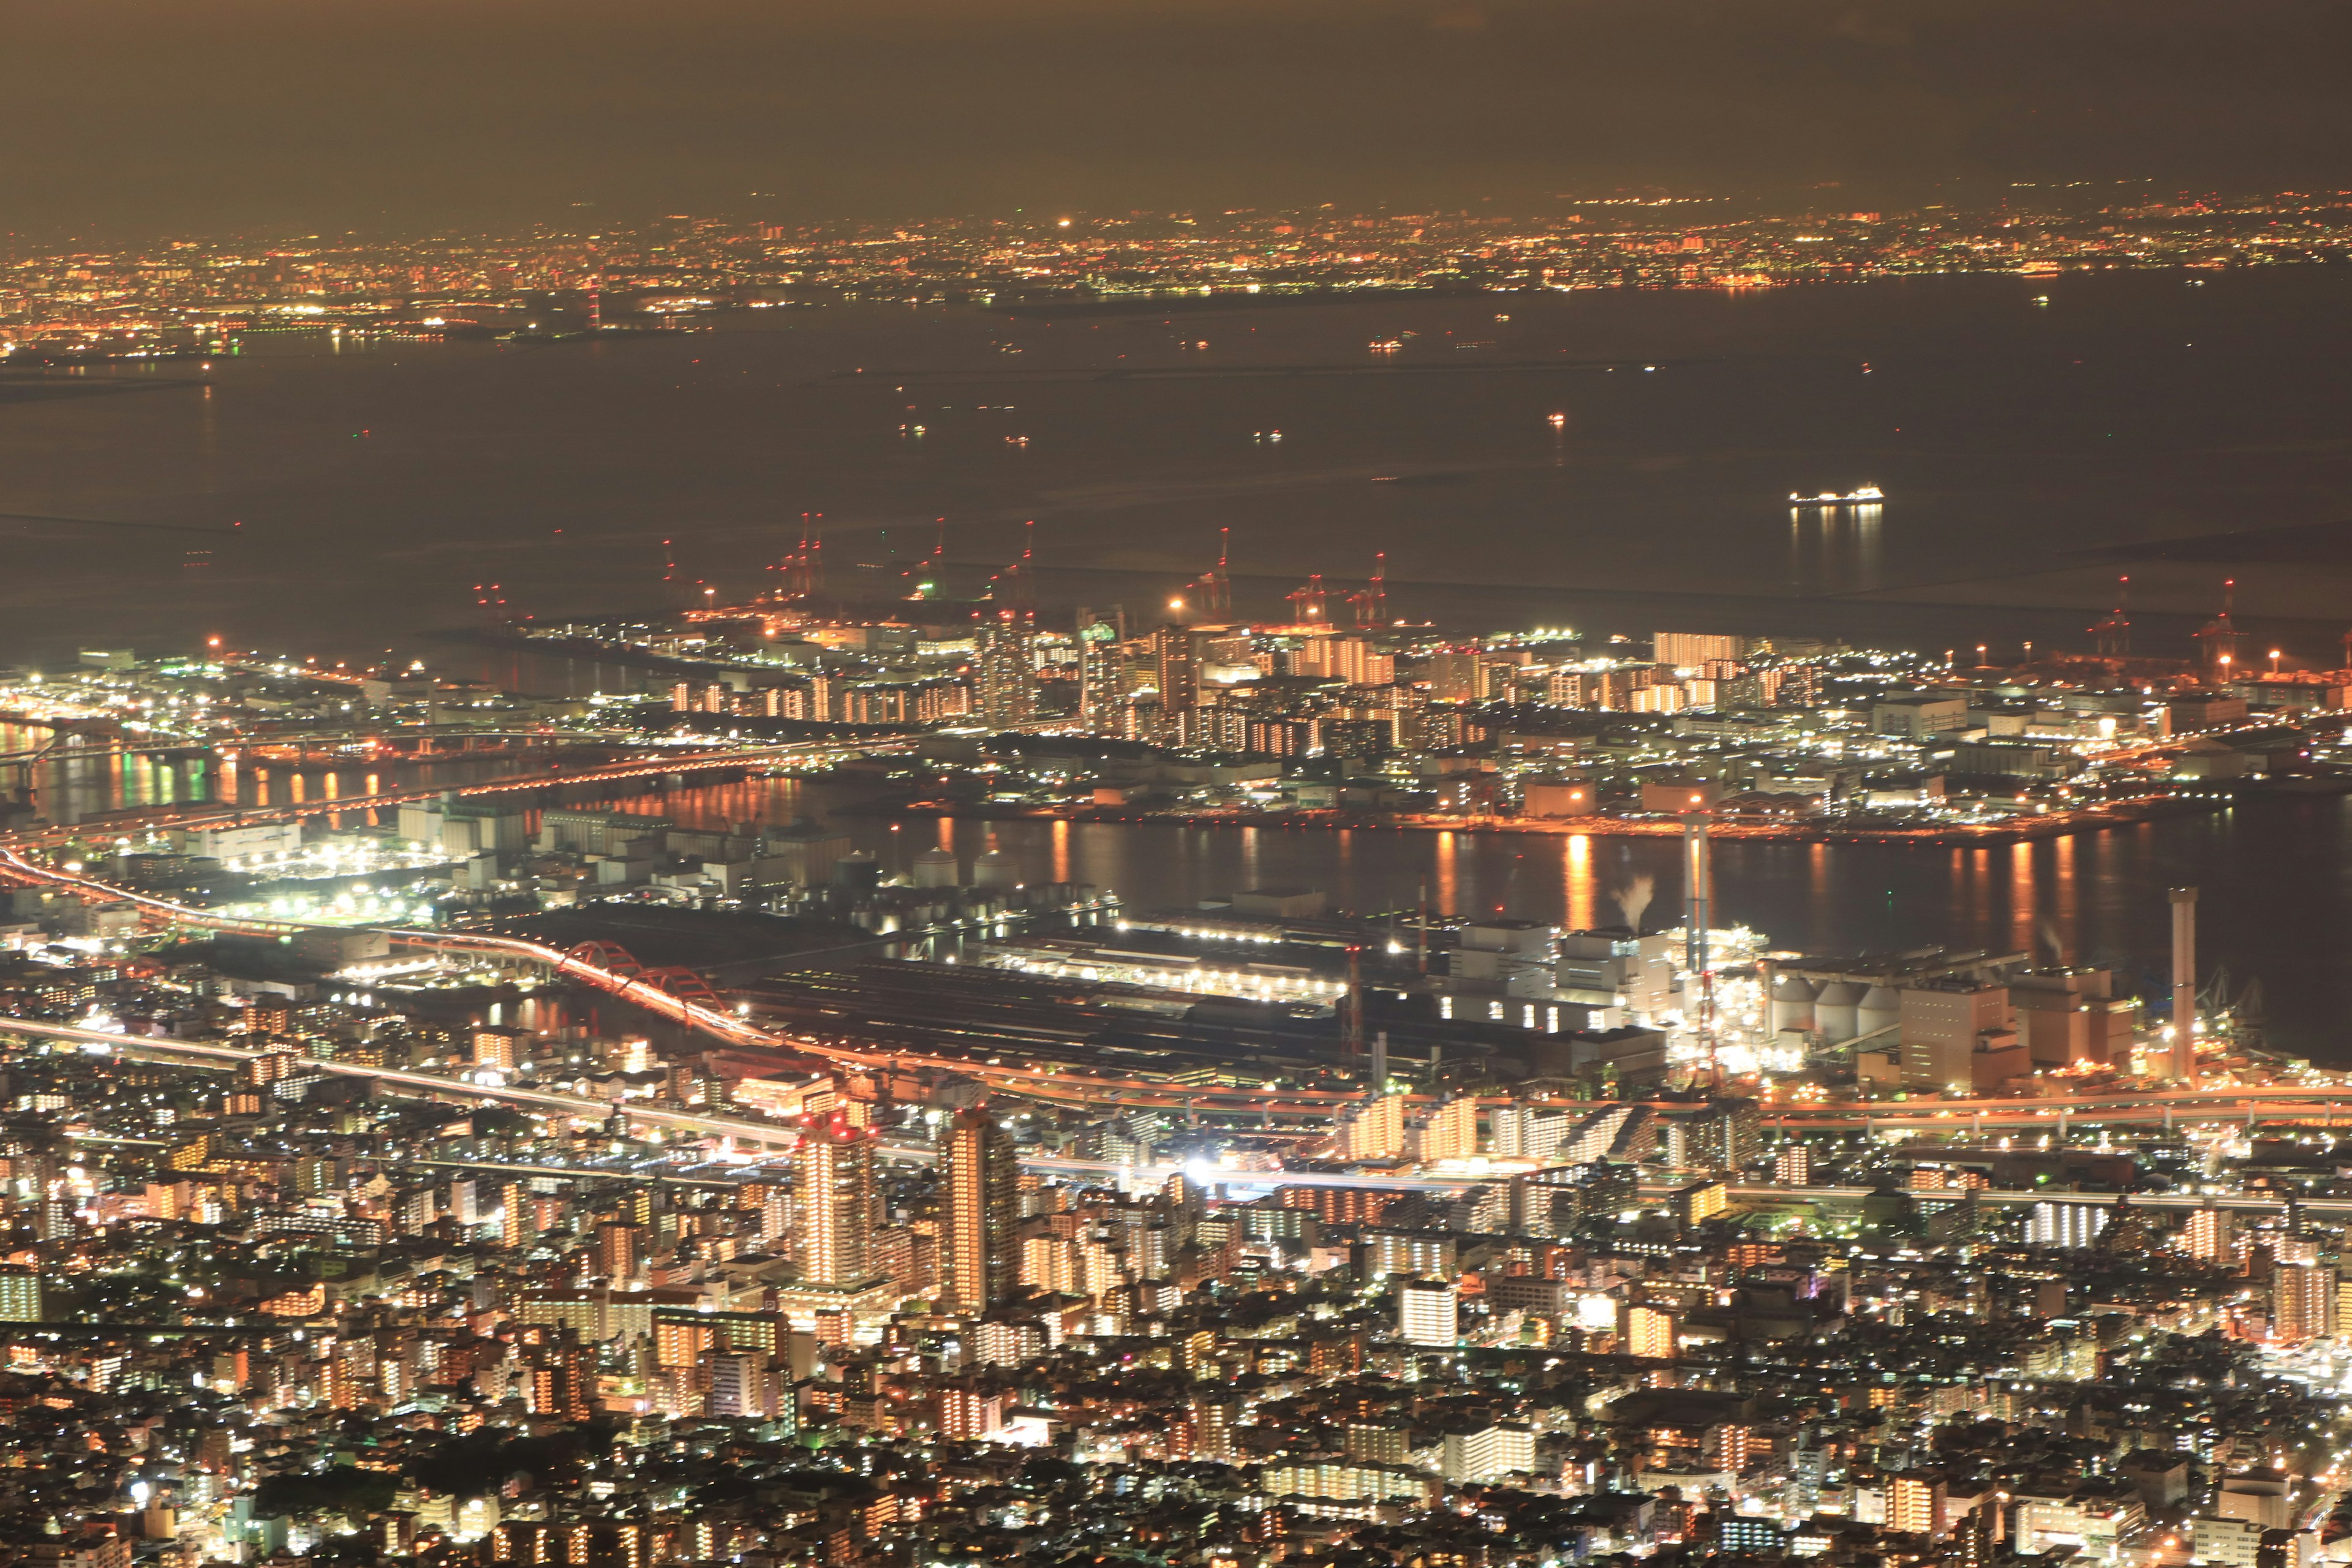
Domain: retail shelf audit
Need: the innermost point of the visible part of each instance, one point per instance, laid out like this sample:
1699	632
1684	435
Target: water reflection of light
1867	547
2020	896
1819	908
1576	864
1445	872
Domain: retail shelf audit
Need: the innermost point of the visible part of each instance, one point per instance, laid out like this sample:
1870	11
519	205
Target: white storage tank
1880	1009
1834	1008
1793	1002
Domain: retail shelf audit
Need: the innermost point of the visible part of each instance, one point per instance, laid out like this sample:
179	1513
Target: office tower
834	1172
1428	1314
1005	667
980	1191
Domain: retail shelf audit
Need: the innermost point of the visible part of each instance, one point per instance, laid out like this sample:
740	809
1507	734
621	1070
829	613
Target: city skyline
1324	784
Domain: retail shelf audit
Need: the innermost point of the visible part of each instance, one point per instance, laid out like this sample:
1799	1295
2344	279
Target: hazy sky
131	116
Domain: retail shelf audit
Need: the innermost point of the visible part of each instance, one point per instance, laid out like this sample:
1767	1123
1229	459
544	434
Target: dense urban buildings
402	1169
203	295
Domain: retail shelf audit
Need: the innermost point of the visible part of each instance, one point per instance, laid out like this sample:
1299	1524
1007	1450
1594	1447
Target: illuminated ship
1860	495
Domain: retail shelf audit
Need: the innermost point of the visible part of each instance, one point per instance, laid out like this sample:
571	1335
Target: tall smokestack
1697	913
2184	986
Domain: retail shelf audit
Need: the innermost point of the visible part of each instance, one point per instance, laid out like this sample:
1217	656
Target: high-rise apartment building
2065	1225
1101	699
1446	1132
1004	670
832	1169
20	1297
980	1194
1428	1312
2302	1302
1176	660
1469	1458
1694	650
2207	1235
1374	1129
1915	1504
1650	1333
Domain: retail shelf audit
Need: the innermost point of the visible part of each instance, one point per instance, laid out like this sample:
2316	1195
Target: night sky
130	116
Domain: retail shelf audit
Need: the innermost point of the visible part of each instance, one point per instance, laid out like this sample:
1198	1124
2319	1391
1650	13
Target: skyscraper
833	1173
1177	660
1099	698
979	1193
1005	667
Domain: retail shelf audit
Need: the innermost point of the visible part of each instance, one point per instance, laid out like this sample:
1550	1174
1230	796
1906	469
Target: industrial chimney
2184	986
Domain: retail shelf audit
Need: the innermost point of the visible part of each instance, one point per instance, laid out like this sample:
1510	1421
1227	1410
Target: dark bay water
381	489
